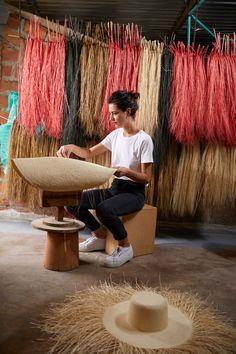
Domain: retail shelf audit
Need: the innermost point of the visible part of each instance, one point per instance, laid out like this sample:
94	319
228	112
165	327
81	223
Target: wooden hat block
61	181
61	249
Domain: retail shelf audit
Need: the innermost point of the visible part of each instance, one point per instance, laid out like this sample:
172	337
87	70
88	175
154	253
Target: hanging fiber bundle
94	65
162	135
166	180
52	83
221	93
199	99
123	65
29	100
148	85
185	195
218	176
72	130
182	121
76	326
21	145
24	145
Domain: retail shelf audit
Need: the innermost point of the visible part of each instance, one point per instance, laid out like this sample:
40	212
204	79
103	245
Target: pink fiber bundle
123	65
187	94
203	97
52	85
221	92
29	103
42	83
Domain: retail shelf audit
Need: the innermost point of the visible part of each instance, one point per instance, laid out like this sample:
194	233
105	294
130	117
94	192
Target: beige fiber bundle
148	85
93	66
23	145
166	181
219	176
187	182
76	325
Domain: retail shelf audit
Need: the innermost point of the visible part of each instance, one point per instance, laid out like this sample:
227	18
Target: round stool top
65	226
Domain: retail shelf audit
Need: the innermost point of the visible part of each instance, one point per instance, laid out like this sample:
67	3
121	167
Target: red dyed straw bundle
203	97
29	101
42	82
123	65
221	92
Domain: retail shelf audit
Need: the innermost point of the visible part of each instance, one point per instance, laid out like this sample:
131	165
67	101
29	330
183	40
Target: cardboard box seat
141	229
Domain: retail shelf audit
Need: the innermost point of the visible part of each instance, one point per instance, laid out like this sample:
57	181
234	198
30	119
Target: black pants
124	197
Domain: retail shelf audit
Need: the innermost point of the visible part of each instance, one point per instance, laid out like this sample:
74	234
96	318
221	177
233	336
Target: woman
132	156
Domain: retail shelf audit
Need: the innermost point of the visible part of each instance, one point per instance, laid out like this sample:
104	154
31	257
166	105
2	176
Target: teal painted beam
203	26
196	7
189	29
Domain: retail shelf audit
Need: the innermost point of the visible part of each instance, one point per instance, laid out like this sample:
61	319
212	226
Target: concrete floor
195	258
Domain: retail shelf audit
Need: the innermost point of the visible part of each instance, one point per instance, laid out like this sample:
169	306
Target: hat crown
148	311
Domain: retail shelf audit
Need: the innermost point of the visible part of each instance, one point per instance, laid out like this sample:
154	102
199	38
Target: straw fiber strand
24	145
75	326
219	176
94	65
166	180
148	85
187	182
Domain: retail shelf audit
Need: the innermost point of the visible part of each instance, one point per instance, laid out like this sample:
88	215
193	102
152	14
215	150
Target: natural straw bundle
93	66
166	179
219	176
24	145
76	326
187	182
148	85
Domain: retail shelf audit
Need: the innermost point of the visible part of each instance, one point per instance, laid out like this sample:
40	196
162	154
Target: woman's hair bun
135	95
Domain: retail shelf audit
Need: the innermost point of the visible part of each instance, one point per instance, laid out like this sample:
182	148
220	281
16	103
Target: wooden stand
61	250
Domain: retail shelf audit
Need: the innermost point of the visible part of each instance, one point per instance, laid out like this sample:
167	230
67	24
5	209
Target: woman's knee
103	210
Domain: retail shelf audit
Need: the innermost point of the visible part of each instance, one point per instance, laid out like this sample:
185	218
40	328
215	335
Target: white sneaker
119	256
93	243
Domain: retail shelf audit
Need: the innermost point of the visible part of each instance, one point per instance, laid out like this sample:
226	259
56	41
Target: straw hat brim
57	174
178	331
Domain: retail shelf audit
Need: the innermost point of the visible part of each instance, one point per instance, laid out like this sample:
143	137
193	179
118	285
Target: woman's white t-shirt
129	151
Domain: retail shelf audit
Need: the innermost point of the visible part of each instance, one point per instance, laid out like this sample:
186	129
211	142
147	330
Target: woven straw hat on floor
95	320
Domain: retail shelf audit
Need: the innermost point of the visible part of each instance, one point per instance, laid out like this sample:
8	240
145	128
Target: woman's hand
65	150
144	176
121	171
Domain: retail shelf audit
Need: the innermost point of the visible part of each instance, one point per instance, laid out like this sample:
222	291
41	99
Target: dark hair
125	100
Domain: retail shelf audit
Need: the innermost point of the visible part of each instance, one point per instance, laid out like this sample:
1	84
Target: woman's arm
84	153
141	177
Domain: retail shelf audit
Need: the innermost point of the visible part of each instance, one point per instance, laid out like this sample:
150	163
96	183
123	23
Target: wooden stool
61	250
